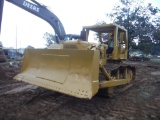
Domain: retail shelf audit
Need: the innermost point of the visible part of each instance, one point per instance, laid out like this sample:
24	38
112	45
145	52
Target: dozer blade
72	72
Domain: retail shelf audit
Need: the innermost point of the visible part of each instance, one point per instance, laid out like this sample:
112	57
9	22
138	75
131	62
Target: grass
155	60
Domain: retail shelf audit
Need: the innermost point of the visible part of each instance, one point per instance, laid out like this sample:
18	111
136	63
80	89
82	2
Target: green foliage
50	39
1	45
156	50
156	34
133	45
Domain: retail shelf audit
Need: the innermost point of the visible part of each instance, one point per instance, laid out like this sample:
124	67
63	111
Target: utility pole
16	38
16	42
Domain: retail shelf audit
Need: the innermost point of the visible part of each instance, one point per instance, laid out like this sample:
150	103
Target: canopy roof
105	28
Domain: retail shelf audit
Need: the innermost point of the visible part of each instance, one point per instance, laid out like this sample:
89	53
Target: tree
1	45
156	34
2	55
156	50
50	38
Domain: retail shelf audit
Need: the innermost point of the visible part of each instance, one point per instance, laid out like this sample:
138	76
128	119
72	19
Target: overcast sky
74	14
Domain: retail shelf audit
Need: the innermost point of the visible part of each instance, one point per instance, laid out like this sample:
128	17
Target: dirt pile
9	69
2	56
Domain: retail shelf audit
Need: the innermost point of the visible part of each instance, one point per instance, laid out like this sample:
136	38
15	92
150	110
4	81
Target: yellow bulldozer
80	68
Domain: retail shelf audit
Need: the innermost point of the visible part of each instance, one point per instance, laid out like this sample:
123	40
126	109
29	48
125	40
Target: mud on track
141	101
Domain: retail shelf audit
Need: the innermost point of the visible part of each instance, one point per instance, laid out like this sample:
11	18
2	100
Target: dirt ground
22	101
